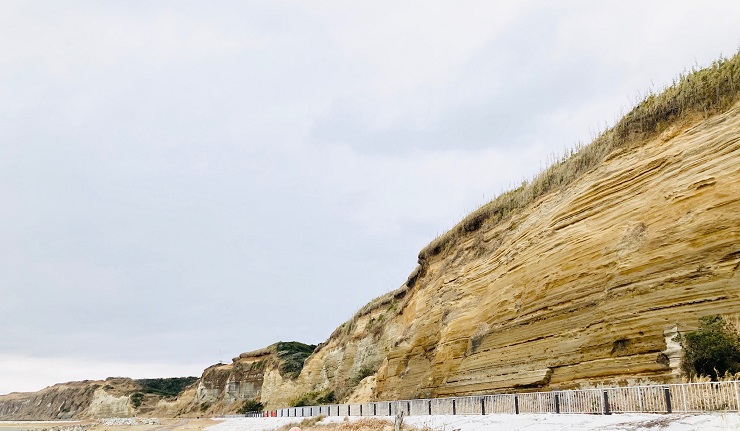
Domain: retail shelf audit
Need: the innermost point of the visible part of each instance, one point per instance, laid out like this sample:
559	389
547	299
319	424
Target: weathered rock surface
583	287
113	397
62	401
587	286
224	387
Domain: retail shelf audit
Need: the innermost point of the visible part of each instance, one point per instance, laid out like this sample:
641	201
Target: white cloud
70	41
418	186
163	163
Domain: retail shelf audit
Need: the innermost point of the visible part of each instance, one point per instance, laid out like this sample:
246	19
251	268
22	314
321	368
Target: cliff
223	388
590	284
113	397
581	277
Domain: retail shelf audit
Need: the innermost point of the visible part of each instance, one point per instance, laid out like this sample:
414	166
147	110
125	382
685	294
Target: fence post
557	403
454	409
408	408
375	409
667	392
483	405
430	407
389	409
607	411
349	411
539	402
516	404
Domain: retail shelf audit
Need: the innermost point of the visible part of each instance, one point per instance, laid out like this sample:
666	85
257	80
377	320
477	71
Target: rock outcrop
61	401
113	397
224	387
583	287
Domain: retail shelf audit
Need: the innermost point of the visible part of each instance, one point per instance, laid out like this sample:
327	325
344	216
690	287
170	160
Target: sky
183	181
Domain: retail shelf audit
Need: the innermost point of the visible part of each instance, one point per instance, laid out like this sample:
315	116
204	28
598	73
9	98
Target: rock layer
583	287
113	397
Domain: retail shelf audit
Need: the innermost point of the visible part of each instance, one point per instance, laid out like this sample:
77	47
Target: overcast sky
183	181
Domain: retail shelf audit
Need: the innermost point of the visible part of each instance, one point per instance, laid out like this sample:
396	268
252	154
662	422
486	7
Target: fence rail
672	398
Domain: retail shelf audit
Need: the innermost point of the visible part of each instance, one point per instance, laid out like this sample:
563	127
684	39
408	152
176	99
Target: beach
502	422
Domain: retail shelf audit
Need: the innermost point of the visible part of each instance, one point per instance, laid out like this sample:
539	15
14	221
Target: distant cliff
224	387
112	397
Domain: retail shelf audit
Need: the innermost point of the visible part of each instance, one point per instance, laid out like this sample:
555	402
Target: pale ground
165	425
544	422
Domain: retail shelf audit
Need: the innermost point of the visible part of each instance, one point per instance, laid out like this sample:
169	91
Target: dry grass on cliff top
697	93
701	92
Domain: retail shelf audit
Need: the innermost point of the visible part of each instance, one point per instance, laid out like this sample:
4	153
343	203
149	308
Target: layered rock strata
588	285
583	287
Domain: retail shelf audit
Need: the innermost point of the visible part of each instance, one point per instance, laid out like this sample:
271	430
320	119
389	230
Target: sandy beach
93	425
544	422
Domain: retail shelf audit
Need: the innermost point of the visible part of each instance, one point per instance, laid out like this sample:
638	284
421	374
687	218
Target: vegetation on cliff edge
167	387
699	92
292	356
250	406
314	398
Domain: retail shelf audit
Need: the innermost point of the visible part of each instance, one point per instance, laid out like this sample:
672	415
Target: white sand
529	422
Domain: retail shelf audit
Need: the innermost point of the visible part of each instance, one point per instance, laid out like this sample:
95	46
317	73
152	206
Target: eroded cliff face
85	399
588	285
62	401
585	286
113	397
224	387
346	364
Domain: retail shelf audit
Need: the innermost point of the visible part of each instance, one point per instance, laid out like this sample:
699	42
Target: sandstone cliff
224	387
582	277
585	286
112	397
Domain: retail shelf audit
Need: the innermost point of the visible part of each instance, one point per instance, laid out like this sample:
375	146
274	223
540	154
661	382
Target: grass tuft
704	92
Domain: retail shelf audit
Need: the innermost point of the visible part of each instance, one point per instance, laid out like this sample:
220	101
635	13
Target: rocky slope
583	284
113	397
224	387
